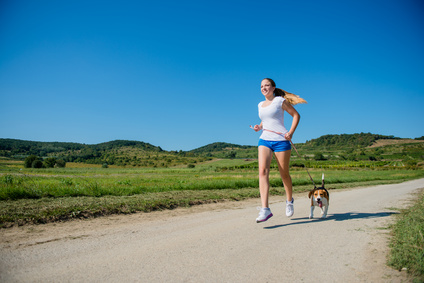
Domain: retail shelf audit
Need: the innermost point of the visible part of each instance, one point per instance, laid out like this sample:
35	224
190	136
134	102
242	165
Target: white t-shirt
272	117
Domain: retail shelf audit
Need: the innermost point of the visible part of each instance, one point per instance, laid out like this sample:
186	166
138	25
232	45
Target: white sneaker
289	208
264	215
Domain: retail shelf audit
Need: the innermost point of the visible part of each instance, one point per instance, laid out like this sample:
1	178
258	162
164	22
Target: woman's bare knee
263	173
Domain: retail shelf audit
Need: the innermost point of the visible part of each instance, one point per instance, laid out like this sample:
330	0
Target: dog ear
310	193
328	195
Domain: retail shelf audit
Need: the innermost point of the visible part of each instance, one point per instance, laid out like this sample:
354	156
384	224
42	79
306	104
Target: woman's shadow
335	217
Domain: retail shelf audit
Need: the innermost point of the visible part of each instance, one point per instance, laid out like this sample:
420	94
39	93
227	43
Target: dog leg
325	212
311	215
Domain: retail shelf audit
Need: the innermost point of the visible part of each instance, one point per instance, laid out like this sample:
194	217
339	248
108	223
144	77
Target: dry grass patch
384	142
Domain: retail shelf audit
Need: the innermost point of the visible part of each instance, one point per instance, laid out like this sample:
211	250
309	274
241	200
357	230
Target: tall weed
407	243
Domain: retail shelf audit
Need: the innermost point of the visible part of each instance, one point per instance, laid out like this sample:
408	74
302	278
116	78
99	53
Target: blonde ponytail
293	99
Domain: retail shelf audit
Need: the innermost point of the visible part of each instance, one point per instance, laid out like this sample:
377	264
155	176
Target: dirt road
216	243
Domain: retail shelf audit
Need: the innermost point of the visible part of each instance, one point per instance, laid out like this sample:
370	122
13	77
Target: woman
275	139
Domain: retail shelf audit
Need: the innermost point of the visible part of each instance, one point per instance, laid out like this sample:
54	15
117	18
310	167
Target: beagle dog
319	197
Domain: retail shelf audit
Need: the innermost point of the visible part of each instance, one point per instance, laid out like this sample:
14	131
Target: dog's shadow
335	217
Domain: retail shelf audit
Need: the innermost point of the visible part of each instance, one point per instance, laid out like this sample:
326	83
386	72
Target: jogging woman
275	138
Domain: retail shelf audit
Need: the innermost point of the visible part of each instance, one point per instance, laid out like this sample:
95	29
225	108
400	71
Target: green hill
16	148
118	152
345	147
226	150
346	141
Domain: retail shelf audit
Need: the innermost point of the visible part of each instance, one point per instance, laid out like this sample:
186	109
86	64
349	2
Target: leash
278	133
303	164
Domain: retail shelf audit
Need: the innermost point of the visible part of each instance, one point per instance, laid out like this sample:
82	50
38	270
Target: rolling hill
362	146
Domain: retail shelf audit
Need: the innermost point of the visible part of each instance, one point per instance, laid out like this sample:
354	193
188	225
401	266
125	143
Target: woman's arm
257	128
296	117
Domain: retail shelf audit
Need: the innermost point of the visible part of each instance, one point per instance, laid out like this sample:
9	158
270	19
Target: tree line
34	161
21	148
141	154
346	140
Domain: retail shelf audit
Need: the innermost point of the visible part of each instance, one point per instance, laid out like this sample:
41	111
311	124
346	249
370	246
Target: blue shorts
275	146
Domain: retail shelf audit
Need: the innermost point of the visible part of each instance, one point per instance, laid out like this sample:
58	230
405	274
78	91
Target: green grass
32	196
45	210
407	243
45	195
48	183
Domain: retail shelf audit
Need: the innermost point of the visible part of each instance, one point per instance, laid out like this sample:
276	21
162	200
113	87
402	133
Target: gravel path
216	243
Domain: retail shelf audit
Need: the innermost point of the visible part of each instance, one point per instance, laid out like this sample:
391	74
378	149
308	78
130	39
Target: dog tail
323	180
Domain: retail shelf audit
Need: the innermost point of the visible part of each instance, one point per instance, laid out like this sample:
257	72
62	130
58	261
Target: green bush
29	160
319	156
50	162
8	179
60	163
37	164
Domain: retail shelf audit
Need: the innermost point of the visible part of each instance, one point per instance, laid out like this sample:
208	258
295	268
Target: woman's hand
257	128
288	136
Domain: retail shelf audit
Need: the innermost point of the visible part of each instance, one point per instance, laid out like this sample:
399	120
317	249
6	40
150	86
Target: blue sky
183	74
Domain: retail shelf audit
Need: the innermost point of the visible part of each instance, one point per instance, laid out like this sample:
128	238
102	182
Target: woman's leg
283	159
264	161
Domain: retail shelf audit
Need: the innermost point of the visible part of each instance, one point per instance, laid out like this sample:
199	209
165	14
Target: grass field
32	196
45	195
407	242
142	178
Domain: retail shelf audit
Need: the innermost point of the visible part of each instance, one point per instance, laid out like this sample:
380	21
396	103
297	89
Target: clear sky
183	74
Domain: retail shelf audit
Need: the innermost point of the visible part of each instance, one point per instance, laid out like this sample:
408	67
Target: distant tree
352	157
60	163
232	154
411	163
319	156
29	160
379	151
49	162
37	164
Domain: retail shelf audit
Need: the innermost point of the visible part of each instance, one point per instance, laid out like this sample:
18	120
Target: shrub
8	179
232	154
60	163
37	164
49	162
29	160
319	156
